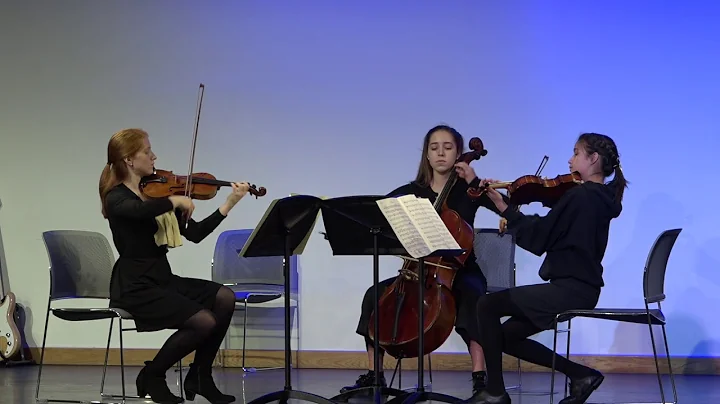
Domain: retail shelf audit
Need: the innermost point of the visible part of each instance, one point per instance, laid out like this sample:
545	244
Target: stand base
370	391
283	396
422	395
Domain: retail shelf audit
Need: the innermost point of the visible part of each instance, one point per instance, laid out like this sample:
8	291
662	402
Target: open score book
418	226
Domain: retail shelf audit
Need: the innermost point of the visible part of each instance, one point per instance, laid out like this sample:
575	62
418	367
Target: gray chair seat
637	316
90	314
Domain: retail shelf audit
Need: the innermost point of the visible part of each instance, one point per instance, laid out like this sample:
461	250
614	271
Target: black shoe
581	389
366	380
486	398
154	385
479	380
200	381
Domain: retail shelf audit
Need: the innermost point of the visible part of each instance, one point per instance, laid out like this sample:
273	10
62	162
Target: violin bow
188	184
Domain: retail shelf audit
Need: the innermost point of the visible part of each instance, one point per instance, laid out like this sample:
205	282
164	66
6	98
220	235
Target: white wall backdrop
330	98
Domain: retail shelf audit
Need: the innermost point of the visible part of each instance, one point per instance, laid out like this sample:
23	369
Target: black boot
582	388
365	380
479	380
200	381
152	383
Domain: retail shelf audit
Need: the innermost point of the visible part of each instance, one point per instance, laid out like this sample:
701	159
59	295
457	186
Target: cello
398	306
200	186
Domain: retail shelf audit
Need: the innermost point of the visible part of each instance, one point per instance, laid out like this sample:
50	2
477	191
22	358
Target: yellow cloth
168	232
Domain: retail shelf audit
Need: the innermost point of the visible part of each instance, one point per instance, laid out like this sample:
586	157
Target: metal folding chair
255	280
81	264
653	292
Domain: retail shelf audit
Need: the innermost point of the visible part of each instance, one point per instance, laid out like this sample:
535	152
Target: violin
397	309
203	186
533	188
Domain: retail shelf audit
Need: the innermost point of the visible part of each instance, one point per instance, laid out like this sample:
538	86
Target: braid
605	147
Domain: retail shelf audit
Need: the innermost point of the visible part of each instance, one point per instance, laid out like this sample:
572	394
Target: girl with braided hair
574	236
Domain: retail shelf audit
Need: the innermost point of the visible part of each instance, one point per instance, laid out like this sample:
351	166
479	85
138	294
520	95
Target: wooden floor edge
358	360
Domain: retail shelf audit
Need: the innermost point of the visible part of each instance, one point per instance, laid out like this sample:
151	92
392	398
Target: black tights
511	337
202	333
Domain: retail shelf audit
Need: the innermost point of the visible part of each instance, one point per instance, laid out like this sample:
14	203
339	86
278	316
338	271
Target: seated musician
142	281
441	148
574	235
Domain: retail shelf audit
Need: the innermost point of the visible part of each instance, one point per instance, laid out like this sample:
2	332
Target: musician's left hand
239	189
465	172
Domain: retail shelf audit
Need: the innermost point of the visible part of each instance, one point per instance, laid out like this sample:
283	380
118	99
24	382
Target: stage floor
83	383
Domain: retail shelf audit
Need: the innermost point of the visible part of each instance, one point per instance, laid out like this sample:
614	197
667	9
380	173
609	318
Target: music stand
282	232
355	225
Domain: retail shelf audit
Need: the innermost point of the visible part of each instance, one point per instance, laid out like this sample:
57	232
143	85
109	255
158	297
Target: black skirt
155	297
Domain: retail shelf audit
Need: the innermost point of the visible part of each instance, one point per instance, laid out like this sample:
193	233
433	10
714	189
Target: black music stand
355	225
420	393
284	227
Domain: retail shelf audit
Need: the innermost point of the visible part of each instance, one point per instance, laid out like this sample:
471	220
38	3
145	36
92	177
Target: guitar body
9	333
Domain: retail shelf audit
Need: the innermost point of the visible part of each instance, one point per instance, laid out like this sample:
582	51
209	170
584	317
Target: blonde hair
122	144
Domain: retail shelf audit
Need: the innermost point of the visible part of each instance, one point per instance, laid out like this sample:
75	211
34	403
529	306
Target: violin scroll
257	192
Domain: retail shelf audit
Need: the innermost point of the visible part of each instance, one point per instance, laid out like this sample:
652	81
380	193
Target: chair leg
122	360
42	352
655	356
430	367
107	353
567	355
519	385
552	369
180	379
244	335
243	348
670	370
398	365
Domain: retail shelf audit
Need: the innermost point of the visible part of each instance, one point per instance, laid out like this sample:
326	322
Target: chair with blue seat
495	254
81	264
255	280
653	285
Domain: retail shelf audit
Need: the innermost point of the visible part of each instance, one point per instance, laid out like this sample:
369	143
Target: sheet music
432	228
403	227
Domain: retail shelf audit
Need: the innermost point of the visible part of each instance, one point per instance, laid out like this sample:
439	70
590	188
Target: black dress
574	236
142	282
470	282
